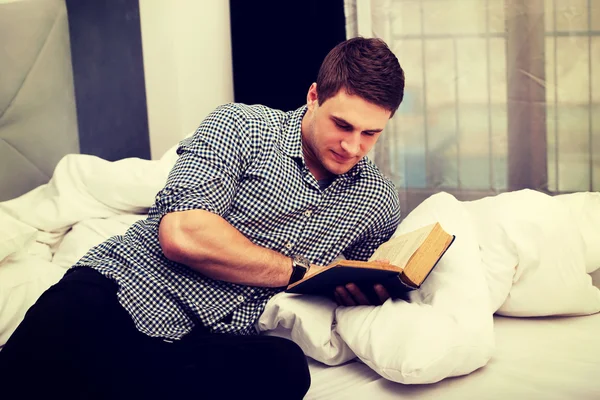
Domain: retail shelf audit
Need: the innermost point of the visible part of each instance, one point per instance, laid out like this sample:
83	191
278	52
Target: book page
399	249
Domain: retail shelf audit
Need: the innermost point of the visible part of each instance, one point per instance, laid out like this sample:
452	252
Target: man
257	199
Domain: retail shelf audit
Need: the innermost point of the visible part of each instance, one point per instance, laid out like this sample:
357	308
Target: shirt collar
292	141
292	136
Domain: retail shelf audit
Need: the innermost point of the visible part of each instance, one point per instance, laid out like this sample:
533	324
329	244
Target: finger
347	300
357	294
338	298
382	292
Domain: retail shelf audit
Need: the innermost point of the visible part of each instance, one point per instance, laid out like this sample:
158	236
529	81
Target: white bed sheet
535	358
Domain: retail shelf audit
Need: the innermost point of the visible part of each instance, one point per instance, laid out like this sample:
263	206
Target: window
501	95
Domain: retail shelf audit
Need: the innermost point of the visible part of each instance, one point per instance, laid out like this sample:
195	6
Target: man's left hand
351	295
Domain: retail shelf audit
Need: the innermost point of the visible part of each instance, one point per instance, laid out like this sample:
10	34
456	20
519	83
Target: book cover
412	257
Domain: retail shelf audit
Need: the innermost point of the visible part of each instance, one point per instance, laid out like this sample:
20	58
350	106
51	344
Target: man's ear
312	98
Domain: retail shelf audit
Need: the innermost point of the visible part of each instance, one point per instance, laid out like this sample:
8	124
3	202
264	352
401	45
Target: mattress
536	358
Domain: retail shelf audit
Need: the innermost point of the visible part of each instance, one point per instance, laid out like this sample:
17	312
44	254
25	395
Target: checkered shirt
245	164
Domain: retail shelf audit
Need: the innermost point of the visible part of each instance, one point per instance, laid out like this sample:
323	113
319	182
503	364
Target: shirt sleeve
380	232
210	163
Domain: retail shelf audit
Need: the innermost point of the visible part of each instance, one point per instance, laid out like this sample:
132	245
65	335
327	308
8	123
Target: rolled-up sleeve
210	162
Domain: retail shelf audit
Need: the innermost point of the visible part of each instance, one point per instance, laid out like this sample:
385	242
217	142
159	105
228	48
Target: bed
553	357
538	358
57	203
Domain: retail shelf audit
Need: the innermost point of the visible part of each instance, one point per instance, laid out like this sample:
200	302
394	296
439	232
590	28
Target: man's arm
210	245
199	191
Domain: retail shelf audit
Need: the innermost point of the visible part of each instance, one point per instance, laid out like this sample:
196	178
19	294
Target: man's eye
344	127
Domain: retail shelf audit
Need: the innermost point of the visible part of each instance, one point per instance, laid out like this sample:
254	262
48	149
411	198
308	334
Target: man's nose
351	144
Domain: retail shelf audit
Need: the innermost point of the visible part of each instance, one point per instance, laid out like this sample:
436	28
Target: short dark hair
366	68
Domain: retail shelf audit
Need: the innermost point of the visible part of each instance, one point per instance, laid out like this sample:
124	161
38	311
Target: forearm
208	244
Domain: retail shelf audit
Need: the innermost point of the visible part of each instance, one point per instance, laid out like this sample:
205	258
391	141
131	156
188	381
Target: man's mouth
339	158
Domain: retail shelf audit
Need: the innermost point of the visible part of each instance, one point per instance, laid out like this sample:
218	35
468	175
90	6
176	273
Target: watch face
300	266
301	262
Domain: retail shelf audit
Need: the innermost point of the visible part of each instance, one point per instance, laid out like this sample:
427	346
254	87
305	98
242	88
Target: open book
412	257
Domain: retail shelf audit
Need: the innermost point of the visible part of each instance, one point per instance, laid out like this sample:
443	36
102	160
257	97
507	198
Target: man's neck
313	165
310	159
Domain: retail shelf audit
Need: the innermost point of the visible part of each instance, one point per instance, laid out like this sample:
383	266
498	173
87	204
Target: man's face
340	132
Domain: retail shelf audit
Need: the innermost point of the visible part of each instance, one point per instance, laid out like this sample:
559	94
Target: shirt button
240	298
288	245
307	213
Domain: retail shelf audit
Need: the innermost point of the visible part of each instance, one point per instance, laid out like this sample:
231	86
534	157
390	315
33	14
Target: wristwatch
300	266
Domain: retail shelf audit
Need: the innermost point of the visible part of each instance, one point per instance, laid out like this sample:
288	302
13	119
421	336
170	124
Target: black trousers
77	342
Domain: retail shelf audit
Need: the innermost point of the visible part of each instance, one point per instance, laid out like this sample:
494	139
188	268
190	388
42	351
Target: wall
108	77
187	65
278	47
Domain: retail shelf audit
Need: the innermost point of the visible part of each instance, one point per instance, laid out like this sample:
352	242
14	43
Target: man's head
365	68
359	87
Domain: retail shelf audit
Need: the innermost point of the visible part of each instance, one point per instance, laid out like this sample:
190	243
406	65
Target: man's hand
351	295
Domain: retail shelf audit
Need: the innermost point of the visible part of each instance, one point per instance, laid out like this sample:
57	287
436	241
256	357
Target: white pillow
499	256
585	207
14	235
447	328
550	277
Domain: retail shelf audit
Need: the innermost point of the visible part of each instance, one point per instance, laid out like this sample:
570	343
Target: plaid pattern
244	163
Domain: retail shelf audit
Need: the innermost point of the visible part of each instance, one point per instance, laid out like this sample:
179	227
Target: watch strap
300	266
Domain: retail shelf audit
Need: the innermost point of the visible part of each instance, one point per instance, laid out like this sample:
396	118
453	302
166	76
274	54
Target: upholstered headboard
38	120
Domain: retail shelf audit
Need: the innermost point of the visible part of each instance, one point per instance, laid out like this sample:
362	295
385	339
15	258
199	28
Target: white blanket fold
522	254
